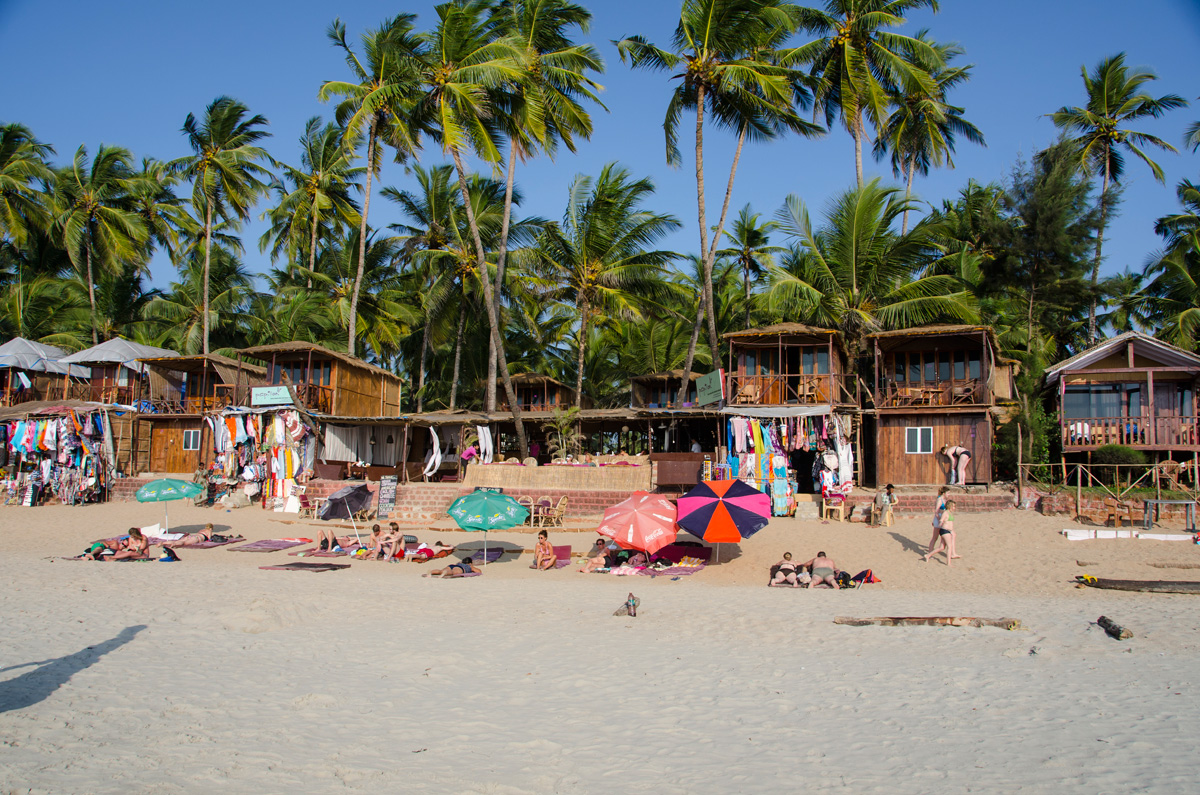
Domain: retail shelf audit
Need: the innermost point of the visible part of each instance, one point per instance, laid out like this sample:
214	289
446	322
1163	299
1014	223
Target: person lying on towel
824	571
466	566
785	572
132	547
206	534
424	552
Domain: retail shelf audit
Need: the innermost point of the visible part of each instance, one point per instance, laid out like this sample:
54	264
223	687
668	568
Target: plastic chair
1115	508
829	507
886	520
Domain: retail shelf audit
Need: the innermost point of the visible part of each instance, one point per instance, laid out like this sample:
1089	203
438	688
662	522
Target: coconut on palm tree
375	108
921	131
732	68
96	216
543	105
314	196
1115	98
600	256
859	59
225	170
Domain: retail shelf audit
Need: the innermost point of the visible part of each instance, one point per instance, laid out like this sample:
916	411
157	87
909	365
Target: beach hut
329	382
116	372
32	371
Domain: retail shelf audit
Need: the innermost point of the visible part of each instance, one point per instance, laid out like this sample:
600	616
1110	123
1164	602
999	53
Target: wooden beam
929	621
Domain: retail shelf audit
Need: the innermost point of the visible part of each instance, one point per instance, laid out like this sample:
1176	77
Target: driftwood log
929	621
1114	629
1149	586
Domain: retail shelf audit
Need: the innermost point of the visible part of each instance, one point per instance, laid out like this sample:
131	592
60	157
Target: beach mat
562	556
267	545
672	571
313	567
208	544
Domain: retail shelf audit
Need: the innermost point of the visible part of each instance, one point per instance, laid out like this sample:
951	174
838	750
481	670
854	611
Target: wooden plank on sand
1150	586
929	621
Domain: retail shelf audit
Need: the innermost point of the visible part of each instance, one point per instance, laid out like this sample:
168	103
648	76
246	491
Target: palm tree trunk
1029	314
501	260
362	242
746	283
458	339
424	364
912	167
207	263
91	289
312	251
691	352
703	218
1093	335
856	131
488	295
710	304
583	318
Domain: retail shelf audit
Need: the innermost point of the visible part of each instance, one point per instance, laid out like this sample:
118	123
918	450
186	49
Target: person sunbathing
99	550
786	572
425	553
136	547
824	571
393	542
462	568
191	539
543	553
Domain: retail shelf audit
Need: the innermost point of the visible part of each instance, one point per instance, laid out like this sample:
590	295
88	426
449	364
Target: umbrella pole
166	517
355	526
717	556
484	562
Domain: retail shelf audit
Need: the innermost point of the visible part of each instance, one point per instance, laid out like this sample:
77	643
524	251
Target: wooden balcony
534	408
786	389
316	398
948	393
1164	433
99	393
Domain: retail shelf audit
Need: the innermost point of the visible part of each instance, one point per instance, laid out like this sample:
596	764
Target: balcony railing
100	393
533	407
785	389
946	393
1088	433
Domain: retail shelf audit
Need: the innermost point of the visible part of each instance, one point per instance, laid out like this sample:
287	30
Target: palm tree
96	215
376	103
1176	227
733	69
185	315
22	166
543	105
598	257
161	210
920	131
1127	302
1114	99
465	69
313	196
225	172
1174	293
859	61
751	248
856	275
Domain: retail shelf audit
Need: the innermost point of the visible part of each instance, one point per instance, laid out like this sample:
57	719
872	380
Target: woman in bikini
959	458
543	553
824	571
136	547
938	508
946	536
785	572
466	566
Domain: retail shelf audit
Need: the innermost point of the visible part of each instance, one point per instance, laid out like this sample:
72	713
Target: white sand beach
213	675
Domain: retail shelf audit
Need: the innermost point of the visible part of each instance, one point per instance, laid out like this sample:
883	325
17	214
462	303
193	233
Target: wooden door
167	446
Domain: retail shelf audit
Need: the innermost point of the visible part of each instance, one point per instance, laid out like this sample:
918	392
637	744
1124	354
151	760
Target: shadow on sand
909	544
39	684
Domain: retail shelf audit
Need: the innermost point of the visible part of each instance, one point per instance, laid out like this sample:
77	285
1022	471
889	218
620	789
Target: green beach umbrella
487	510
167	489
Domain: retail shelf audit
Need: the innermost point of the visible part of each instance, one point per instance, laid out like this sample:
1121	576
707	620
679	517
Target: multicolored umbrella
644	521
487	510
168	489
724	511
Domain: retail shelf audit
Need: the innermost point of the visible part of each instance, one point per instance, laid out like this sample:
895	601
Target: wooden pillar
1020	470
237	386
878	402
204	388
1078	491
1150	412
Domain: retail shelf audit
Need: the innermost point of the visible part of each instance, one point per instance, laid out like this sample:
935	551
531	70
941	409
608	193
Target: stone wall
1093	508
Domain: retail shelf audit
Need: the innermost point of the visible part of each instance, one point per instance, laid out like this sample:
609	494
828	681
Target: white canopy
118	351
23	354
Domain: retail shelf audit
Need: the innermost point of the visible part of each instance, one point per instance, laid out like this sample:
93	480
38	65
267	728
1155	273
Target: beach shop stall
267	453
57	453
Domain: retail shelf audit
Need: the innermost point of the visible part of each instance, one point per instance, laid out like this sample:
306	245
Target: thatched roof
664	375
264	352
197	362
897	337
779	329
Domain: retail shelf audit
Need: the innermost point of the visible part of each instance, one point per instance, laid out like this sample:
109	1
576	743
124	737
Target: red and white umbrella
644	521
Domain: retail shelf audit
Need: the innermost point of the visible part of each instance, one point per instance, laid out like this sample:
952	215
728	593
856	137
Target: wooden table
1148	512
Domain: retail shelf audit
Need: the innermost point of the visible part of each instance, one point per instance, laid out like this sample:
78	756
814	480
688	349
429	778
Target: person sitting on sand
326	540
824	571
543	552
393	541
136	547
946	535
602	556
464	567
785	572
376	543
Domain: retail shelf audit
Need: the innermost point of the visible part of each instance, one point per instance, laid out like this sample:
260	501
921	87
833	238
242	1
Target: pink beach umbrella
644	521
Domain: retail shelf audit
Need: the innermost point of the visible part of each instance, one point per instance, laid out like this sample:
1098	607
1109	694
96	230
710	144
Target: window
914	368
930	369
918	441
822	361
899	368
960	366
191	440
944	367
973	363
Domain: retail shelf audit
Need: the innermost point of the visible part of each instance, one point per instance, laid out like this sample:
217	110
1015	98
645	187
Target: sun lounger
268	545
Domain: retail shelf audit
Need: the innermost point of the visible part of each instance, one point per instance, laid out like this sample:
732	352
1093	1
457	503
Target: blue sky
127	72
